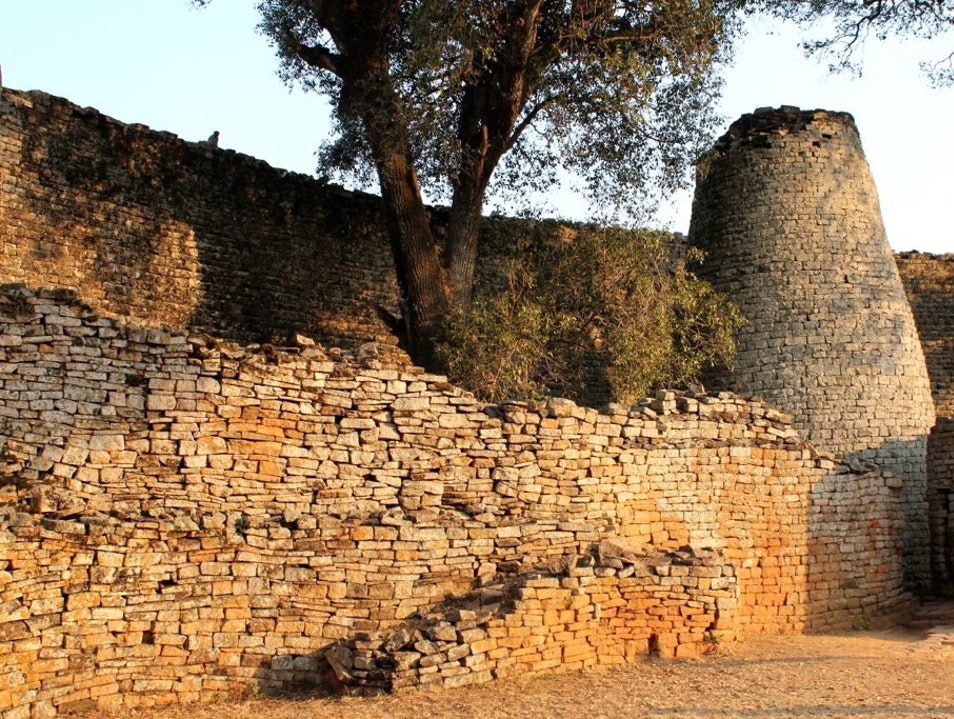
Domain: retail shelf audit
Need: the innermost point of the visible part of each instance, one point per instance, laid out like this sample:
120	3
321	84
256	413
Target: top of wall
754	129
43	102
132	392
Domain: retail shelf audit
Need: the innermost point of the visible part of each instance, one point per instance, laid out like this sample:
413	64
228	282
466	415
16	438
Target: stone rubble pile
608	606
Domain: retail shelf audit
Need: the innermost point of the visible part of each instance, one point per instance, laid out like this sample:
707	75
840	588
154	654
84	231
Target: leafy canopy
855	21
618	93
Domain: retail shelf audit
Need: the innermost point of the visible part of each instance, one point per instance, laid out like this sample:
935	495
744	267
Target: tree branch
317	56
528	120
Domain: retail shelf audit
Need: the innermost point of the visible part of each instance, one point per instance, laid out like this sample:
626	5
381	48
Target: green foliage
479	99
499	347
619	93
590	314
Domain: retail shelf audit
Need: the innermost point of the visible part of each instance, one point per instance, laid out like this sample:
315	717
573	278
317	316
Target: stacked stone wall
941	505
178	234
614	607
788	214
929	284
174	234
185	519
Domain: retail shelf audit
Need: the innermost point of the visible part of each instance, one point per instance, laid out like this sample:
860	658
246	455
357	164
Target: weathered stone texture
788	214
608	607
175	234
185	520
167	233
941	504
929	285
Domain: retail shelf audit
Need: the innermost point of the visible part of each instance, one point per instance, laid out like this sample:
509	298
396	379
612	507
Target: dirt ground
896	673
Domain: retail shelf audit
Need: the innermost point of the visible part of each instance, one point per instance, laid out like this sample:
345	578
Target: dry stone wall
929	284
941	505
185	519
611	607
788	214
178	234
175	234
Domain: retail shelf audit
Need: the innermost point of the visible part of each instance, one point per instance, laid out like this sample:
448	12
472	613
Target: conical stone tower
788	215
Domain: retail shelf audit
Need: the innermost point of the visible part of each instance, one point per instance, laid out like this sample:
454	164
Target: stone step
932	614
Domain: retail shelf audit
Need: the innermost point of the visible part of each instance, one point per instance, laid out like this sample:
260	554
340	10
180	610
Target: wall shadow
183	235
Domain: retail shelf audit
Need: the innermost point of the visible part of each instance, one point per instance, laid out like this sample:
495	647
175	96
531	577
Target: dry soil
895	673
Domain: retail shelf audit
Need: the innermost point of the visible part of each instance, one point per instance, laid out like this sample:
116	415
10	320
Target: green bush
586	313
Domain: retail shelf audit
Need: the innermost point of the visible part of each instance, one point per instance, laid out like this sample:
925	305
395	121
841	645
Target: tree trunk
463	237
421	279
361	32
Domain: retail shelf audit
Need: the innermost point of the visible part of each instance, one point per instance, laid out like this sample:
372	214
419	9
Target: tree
453	96
856	20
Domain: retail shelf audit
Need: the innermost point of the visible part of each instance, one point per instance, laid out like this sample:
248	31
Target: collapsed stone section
606	607
184	519
788	215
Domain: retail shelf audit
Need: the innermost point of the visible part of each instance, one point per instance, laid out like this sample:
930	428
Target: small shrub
590	314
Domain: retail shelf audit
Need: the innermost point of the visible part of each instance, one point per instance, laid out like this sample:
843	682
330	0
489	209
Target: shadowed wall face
788	215
929	283
176	234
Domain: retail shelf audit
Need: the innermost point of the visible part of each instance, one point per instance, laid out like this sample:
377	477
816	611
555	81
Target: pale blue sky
187	71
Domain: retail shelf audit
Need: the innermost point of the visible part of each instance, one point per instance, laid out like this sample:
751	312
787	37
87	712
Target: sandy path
865	674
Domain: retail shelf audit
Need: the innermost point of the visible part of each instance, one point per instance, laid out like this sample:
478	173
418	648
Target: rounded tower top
788	215
759	126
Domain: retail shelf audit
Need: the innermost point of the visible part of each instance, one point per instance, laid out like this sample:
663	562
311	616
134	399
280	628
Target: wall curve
929	283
